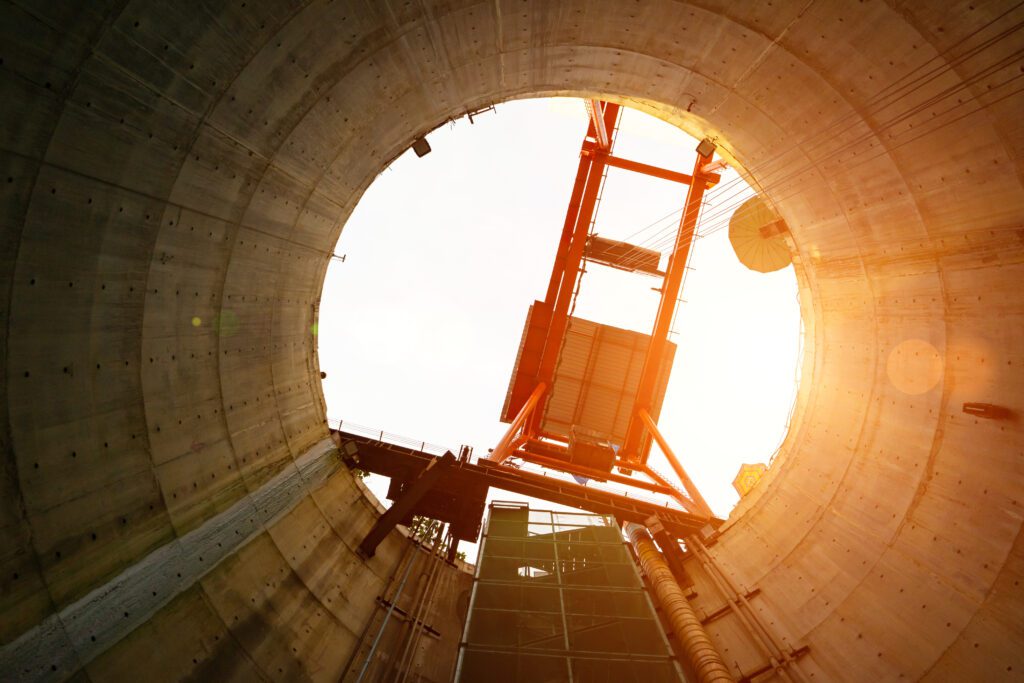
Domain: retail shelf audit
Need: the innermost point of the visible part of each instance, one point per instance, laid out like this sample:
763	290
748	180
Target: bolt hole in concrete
419	324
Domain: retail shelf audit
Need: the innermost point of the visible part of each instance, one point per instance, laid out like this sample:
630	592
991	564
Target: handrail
388	437
677	494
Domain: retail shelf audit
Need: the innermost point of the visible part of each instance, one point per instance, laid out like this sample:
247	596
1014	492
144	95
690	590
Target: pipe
697	647
670	288
777	656
391	609
417	614
392	579
422	626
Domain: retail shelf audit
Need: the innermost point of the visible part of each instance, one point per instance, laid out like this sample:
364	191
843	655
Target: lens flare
914	366
226	323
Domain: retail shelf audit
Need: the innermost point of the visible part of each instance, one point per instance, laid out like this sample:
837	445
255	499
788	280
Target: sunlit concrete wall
176	175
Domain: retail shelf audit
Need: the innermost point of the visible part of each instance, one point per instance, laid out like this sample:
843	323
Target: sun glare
419	325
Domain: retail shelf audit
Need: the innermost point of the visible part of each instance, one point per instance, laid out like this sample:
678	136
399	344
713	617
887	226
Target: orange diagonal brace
596	109
676	494
677	467
505	446
635	446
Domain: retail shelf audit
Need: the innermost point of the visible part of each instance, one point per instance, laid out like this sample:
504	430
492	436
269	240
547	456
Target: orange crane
570	430
601	419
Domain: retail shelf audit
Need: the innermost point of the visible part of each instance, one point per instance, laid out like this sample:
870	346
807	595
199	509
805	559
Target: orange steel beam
635	442
675	492
596	109
572	214
571	268
560	310
504	447
600	475
573	211
655	171
684	478
647	169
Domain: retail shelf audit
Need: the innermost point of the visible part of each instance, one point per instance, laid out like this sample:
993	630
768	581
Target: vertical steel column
698	648
570	270
560	297
667	307
601	122
561	592
417	616
558	269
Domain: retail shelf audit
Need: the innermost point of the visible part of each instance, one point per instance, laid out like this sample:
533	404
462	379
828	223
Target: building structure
176	177
557	597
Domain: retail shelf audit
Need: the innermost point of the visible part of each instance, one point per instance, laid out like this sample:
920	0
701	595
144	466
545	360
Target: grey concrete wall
165	162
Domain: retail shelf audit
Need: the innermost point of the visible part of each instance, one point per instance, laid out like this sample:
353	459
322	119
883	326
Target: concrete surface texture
176	175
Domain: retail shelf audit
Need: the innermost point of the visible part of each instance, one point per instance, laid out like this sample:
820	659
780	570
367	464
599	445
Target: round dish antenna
758	236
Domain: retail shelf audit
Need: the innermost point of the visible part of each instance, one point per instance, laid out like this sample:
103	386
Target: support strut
633	446
404	505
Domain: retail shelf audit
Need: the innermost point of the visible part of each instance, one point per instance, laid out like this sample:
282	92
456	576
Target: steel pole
504	447
558	269
571	270
666	308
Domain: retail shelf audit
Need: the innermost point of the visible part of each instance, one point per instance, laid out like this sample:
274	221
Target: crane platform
454	490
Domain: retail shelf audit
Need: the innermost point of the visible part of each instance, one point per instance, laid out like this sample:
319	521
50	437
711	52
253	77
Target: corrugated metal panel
597	377
622	255
531	346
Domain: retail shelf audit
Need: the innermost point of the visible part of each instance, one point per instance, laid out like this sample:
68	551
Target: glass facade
557	597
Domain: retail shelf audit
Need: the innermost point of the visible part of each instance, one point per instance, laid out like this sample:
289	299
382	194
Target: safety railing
434	449
388	437
668	481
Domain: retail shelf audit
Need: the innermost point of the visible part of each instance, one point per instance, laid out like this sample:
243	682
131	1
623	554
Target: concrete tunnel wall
171	161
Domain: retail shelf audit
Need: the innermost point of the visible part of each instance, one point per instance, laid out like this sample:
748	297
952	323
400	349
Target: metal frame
595	157
405	464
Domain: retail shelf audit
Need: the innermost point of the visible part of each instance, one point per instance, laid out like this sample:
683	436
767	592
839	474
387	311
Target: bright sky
419	326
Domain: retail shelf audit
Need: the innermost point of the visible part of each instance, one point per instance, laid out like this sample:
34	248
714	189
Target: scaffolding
557	597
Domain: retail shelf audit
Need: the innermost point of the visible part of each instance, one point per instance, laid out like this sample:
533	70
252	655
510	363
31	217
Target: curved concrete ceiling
177	176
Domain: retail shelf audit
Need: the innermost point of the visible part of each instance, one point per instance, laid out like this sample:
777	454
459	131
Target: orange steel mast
552	314
603	121
666	309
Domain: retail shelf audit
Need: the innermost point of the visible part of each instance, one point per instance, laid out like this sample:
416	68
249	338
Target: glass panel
592	534
617	671
539	585
520	630
602	576
533	549
607	603
540	516
516	569
582	518
593	552
501	667
612	635
523	598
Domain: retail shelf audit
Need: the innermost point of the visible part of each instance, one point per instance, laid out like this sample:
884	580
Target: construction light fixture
421	147
706	148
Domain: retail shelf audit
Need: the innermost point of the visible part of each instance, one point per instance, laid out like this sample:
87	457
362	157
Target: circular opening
423	307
